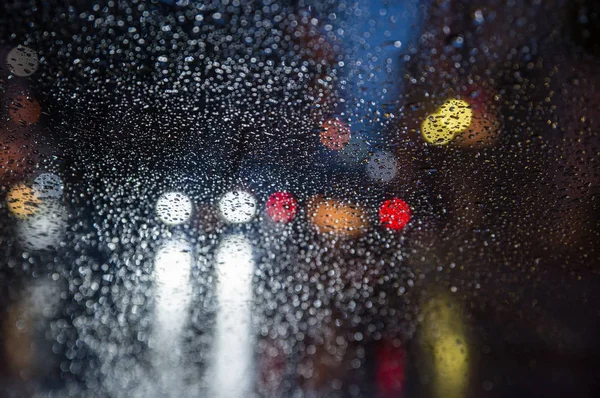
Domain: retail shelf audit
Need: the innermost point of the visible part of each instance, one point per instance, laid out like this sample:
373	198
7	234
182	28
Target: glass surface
235	198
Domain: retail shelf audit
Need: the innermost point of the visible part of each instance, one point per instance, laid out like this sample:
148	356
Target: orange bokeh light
483	130
22	201
332	216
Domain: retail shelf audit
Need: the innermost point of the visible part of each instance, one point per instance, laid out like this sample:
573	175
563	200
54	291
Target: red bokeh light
282	207
334	134
394	214
25	109
391	370
18	155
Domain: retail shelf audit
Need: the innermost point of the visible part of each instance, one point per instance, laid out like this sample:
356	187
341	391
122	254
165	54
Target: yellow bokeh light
434	131
452	118
335	217
456	115
22	201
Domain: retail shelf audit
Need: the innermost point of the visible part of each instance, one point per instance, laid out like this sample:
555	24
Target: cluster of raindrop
306	164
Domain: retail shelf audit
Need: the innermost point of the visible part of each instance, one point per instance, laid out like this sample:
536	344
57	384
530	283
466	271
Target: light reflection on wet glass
229	198
231	371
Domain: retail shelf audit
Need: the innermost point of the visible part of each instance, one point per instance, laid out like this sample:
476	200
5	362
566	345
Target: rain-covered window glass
277	198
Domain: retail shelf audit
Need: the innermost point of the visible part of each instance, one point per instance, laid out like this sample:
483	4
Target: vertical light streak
172	267
444	332
231	374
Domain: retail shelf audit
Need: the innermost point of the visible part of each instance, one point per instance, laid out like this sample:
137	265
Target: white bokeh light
48	185
45	228
22	61
174	208
382	167
230	375
237	207
355	152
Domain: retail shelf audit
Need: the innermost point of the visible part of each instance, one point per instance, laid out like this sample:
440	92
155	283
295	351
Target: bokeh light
281	207
434	131
382	167
356	152
22	61
237	207
44	229
452	118
174	208
17	156
394	214
332	216
22	201
25	109
334	134
48	185
482	132
456	115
